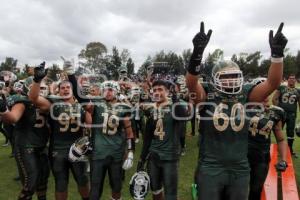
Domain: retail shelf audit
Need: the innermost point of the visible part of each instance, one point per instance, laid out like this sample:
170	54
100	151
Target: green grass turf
9	188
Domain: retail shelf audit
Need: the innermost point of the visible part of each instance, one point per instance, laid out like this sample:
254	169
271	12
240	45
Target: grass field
9	188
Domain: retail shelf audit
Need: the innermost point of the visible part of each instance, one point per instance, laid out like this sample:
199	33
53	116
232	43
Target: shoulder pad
54	98
14	99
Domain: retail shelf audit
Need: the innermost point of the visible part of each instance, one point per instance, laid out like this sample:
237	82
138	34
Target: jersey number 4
159	129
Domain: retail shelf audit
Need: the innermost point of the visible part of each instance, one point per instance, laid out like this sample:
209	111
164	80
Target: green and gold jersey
288	98
31	130
108	134
65	123
165	142
224	132
261	125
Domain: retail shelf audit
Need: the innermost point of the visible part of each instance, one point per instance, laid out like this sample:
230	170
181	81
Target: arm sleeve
149	130
73	81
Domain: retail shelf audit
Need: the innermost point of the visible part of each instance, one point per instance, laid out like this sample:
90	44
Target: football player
288	97
262	123
31	137
223	169
66	116
111	129
161	142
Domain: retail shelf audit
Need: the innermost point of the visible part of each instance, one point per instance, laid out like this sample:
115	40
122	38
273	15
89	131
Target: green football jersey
31	130
165	142
224	132
108	134
261	125
65	123
288	98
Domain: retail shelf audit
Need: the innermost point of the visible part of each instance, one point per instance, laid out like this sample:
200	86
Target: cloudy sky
36	30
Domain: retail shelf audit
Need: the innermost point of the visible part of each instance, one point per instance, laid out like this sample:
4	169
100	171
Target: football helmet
227	77
18	87
123	70
139	185
135	94
68	66
297	130
78	149
8	76
27	84
44	89
150	69
110	84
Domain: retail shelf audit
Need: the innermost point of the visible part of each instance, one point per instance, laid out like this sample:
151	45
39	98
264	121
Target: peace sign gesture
277	42
201	40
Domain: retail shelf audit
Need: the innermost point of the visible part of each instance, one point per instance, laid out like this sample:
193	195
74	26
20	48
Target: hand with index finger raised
40	72
200	41
277	42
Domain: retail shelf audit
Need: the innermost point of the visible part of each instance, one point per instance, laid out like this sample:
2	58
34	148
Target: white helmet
139	185
18	87
78	149
227	77
44	89
110	84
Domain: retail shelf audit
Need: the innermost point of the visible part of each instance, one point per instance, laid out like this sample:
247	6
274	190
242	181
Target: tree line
95	58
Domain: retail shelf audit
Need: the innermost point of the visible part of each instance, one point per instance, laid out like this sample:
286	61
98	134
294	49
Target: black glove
200	41
140	166
40	72
281	166
277	43
3	105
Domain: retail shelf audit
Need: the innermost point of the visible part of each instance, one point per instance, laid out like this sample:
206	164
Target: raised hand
200	41
68	66
277	42
40	72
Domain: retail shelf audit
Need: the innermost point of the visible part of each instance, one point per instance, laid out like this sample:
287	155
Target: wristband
277	60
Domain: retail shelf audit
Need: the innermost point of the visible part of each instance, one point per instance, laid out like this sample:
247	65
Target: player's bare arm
277	45
200	41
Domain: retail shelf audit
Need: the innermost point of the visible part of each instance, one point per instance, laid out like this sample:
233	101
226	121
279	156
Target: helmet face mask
27	84
227	78
44	90
18	87
139	185
107	87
